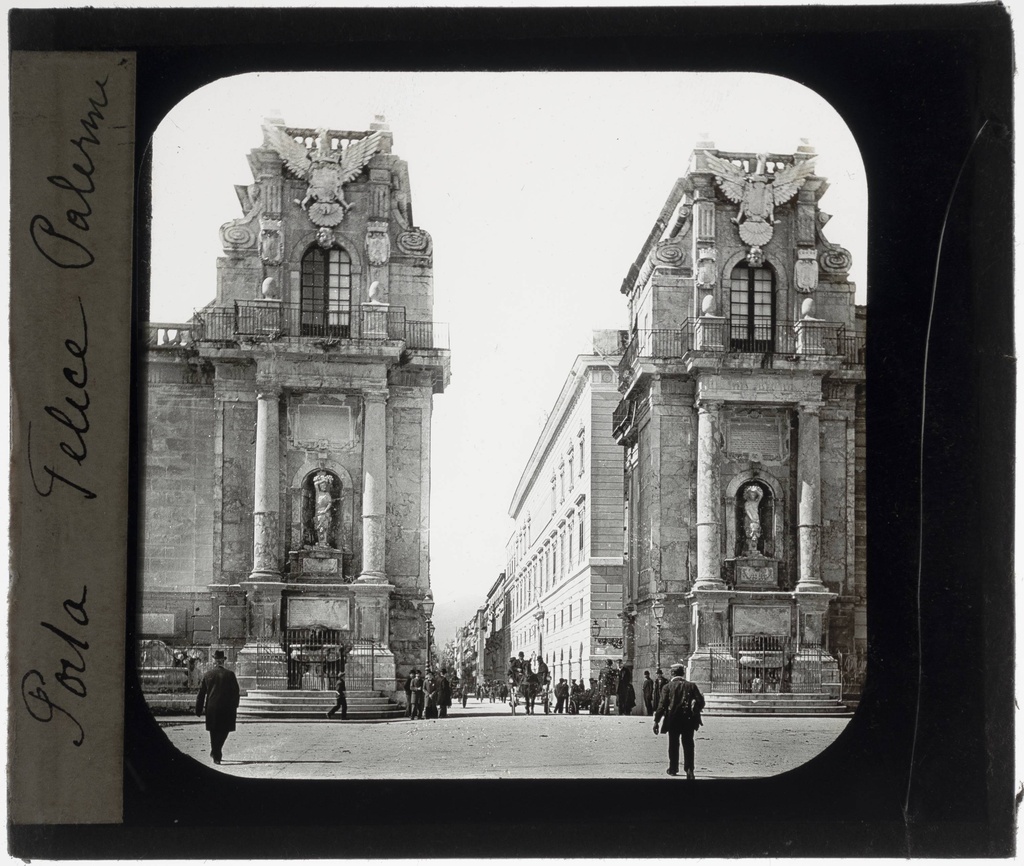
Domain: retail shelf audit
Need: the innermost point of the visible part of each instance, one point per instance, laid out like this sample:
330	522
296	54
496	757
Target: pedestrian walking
417	695
218	697
647	693
680	706
465	695
341	703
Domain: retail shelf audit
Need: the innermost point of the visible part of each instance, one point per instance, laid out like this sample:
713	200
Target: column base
704	583
372	577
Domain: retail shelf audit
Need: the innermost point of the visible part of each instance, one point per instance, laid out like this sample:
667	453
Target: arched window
752	309
326	292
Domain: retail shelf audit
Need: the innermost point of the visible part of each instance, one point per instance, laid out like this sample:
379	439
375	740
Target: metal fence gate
315	657
361	674
767	664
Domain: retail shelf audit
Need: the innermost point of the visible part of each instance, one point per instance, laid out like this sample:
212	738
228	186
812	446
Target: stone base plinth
265	668
700	665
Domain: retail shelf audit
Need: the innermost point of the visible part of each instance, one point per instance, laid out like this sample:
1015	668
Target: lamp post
658	608
428	608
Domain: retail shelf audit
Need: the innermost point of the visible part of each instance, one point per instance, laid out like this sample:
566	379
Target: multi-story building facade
497	641
564	574
286	435
742	419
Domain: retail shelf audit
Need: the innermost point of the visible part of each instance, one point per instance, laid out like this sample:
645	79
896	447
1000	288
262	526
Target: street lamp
428	608
658	608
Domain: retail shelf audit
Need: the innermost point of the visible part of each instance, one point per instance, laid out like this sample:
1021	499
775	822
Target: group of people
428	696
676	703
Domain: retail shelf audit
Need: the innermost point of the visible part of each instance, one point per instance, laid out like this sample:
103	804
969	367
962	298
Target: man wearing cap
680	706
218	695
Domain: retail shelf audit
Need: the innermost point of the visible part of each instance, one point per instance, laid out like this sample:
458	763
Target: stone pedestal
756	572
709	334
375	321
371	653
262	648
710	637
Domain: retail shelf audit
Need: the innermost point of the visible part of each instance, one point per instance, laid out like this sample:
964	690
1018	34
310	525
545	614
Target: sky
538	190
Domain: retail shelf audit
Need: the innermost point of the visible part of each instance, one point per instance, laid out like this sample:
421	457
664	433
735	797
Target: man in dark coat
408	694
659	684
680	706
626	697
561	693
609	683
218	695
647	691
417	695
444	694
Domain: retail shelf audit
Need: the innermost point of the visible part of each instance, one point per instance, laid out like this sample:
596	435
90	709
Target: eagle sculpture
758	194
325	170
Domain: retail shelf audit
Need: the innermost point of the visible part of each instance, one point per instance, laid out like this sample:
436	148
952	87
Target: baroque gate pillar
375	486
809	500
267	500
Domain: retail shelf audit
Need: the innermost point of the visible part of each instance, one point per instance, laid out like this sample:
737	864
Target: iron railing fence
272	320
771	664
316	656
805	338
164	669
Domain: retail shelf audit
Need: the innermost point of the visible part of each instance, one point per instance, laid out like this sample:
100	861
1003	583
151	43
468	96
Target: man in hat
680	706
218	695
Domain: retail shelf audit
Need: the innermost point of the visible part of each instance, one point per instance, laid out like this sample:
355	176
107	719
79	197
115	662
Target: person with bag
680	706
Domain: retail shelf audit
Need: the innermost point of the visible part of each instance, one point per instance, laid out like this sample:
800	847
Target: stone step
773	704
305	704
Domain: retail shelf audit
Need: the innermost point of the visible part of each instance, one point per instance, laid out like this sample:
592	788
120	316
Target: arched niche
303	495
770	511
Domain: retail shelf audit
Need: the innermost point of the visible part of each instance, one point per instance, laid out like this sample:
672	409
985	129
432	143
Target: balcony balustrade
715	334
268	320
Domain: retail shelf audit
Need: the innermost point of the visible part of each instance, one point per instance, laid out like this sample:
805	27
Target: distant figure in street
561	693
341	703
647	692
595	697
430	692
624	690
408	693
444	694
503	693
218	696
680	706
417	695
609	681
659	684
465	695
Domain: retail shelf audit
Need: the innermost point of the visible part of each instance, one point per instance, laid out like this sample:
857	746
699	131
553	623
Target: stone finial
373	293
806	147
269	289
807	309
707	306
704	142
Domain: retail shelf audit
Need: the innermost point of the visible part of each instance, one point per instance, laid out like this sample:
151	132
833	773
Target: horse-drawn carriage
527	684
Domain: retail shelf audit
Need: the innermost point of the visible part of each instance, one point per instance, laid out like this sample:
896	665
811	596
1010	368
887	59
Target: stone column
808	481
266	507
709	494
375	490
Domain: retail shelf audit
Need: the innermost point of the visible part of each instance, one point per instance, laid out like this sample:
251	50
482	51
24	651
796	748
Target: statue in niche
752	494
323	514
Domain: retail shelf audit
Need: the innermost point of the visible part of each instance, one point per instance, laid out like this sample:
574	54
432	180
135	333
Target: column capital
810	407
268	390
376	395
708	407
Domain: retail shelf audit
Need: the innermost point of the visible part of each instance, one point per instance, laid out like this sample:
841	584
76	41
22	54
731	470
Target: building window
583	522
561	483
326	284
581	453
561	559
554	495
752	309
572	473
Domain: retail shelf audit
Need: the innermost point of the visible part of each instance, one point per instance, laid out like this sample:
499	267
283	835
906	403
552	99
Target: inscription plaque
756	436
754	575
751	619
323	612
314	424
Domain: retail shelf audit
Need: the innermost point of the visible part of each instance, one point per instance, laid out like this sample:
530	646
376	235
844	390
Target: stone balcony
268	320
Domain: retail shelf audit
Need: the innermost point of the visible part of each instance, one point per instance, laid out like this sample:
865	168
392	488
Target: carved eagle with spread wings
758	194
325	170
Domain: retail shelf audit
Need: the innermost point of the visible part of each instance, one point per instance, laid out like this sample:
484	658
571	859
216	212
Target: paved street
485	741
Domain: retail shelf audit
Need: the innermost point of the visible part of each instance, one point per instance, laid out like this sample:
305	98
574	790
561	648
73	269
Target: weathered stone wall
237	474
178	423
606	493
408	413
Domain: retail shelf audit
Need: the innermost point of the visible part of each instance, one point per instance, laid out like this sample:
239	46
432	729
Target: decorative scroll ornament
758	194
706	271
378	247
836	260
806	270
415	242
240	234
325	237
669	253
325	170
270	241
